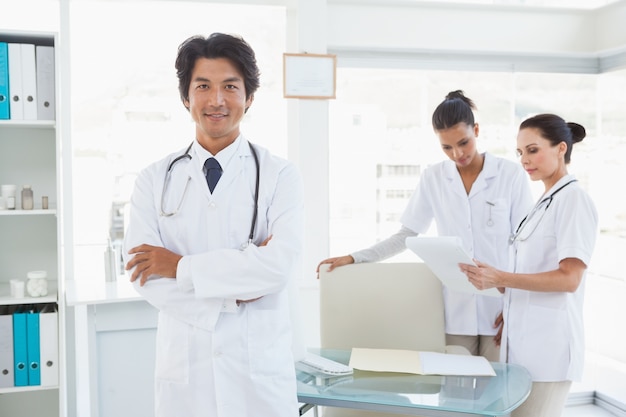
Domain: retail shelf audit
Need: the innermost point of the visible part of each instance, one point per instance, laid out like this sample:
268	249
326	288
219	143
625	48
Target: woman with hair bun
543	302
474	195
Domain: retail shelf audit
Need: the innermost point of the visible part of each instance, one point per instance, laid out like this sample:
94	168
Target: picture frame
309	76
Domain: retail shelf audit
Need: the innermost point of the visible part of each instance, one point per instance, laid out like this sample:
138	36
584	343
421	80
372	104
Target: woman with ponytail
474	195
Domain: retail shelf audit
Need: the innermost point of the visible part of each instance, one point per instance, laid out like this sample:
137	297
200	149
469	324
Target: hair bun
578	132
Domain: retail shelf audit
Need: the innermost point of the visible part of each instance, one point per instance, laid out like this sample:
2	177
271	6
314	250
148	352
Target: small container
44	202
3	203
8	194
37	284
17	288
27	198
8	190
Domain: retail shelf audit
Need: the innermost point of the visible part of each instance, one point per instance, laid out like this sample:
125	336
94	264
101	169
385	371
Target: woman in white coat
477	196
543	324
213	259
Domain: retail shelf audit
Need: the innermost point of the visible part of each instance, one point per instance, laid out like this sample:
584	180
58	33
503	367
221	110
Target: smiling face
541	160
459	143
217	102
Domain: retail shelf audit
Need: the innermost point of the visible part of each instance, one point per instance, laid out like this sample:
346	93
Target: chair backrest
381	305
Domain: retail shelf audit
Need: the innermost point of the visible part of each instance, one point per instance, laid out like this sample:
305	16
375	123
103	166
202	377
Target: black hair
556	130
454	109
217	45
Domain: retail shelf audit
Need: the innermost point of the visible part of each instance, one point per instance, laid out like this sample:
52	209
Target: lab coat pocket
496	217
546	343
172	350
269	340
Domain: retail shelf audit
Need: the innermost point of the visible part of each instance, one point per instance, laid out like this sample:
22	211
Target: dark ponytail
454	109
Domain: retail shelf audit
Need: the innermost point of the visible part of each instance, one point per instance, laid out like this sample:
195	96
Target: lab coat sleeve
257	271
419	213
163	293
577	227
384	249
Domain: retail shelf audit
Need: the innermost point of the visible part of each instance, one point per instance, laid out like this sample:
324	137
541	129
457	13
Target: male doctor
217	268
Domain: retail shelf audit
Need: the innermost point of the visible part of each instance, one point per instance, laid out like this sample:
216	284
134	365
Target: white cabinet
31	240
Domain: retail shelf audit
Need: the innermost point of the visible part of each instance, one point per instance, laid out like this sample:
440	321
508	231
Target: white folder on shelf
6	351
16	98
49	348
29	81
45	82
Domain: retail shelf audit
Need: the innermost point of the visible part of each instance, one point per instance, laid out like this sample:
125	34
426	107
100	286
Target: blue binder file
32	348
19	349
4	81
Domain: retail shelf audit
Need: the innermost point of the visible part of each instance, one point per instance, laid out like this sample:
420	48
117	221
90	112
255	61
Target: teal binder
33	349
20	357
4	81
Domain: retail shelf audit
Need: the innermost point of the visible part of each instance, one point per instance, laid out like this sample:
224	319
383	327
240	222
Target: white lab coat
543	331
484	220
215	358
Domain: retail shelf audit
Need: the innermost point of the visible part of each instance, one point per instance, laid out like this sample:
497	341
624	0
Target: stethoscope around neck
187	155
517	236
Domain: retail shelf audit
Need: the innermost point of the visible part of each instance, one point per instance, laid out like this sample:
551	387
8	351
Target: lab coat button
212	205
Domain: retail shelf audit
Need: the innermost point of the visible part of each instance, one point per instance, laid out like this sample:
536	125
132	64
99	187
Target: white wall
468	36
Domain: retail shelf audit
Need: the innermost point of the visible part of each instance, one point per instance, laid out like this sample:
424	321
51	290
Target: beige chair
383	306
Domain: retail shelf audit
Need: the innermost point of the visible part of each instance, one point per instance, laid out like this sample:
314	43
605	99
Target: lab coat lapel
198	180
489	171
453	178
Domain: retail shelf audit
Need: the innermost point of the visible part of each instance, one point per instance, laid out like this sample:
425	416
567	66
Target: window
126	111
394	142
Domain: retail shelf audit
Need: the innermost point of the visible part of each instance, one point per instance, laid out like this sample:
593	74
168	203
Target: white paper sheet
443	255
420	363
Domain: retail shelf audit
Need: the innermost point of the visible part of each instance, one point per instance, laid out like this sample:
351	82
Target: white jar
37	285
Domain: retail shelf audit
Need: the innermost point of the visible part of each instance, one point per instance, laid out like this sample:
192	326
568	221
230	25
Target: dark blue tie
213	172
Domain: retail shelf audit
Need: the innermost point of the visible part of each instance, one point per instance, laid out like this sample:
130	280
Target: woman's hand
482	276
335	262
498	325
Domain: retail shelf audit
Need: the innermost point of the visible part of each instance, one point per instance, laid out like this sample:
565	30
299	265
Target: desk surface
417	394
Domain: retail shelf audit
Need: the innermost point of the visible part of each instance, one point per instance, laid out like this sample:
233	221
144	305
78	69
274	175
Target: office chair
381	306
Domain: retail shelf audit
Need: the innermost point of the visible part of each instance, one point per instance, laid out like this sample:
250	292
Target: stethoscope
187	155
517	236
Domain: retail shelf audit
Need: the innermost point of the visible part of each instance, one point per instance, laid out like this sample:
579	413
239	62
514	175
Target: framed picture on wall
309	76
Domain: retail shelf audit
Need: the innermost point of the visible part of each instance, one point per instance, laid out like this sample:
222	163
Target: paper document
420	363
443	255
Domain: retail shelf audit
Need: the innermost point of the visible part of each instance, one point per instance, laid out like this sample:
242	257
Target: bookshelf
31	240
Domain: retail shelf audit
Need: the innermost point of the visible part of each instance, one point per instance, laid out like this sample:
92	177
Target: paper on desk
420	363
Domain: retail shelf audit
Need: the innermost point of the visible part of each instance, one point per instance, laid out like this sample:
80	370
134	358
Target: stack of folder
27	87
29	346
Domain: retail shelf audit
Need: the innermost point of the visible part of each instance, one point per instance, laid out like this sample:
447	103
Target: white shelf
30	153
35	212
27	388
6	299
29	124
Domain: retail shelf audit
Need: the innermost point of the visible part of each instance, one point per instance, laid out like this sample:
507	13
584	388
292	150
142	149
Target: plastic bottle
27	198
110	263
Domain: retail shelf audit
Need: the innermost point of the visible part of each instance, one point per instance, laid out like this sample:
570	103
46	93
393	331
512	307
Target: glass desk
423	395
